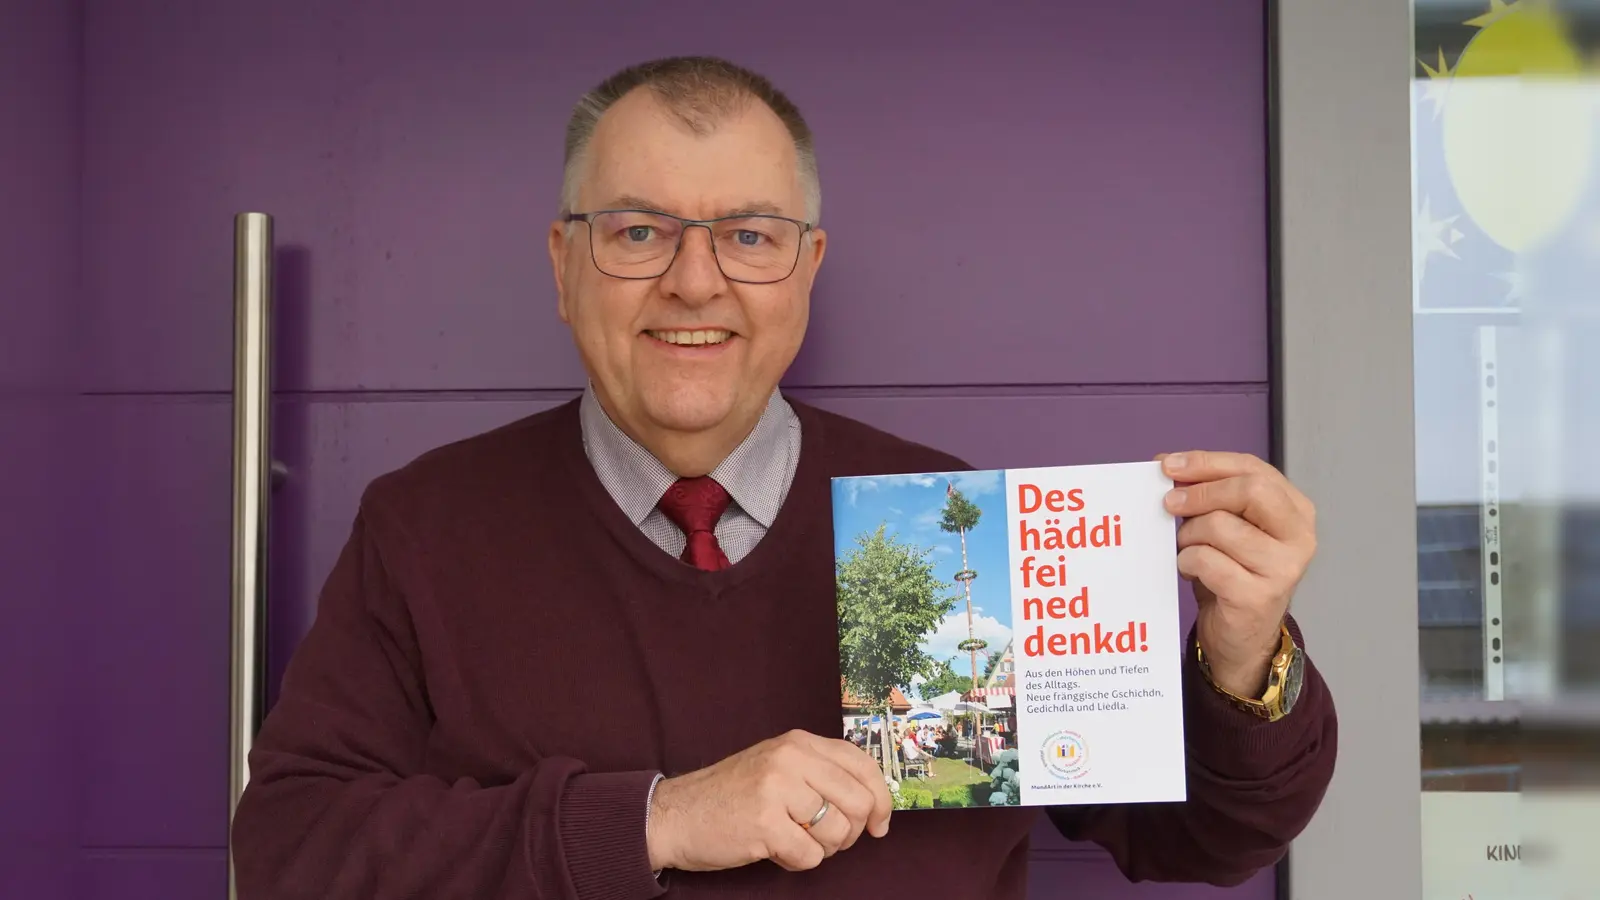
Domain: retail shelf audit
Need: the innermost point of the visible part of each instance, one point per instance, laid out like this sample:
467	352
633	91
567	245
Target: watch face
1292	680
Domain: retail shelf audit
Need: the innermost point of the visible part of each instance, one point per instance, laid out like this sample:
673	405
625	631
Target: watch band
1271	704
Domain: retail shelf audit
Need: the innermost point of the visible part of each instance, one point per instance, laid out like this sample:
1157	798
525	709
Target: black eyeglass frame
588	219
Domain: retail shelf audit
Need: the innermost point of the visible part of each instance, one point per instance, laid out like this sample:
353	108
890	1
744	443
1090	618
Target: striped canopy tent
981	695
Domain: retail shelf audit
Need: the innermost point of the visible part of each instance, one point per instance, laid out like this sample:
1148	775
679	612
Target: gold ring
818	817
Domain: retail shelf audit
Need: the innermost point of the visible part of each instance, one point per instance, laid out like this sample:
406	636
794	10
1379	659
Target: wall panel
1034	172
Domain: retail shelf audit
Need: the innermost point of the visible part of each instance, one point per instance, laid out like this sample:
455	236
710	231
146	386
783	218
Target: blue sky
909	505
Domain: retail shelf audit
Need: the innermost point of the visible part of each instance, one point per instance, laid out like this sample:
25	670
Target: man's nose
694	275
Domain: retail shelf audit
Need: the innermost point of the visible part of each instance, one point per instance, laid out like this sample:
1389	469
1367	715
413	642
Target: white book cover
1010	637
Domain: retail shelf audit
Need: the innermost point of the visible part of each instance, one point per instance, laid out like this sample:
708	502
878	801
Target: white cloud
854	486
970	483
976	483
953	630
876	482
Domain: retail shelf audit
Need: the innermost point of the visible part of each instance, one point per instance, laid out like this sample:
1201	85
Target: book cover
1010	637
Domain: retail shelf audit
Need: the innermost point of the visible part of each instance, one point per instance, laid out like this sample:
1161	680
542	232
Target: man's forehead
635	128
754	207
644	157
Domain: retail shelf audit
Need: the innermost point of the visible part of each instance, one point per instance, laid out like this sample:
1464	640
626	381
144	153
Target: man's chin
693	412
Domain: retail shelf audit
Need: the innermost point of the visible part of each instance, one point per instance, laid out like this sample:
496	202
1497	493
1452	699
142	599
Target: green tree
988	667
960	516
942	679
889	600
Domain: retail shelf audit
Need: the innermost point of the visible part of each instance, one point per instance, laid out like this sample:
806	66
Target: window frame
1339	114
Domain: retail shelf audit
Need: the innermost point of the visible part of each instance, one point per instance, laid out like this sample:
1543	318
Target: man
591	654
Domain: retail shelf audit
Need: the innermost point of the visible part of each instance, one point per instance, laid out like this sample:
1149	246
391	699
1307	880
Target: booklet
1010	637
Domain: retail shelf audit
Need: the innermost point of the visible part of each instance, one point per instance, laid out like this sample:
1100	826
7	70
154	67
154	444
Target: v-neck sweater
502	663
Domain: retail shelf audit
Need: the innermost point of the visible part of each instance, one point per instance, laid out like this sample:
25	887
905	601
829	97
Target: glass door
1506	312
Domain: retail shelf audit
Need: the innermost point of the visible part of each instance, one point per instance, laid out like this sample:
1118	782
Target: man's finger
1211	465
846	796
1217	571
1242	542
850	809
865	770
1192	466
1307	510
793	847
1260	501
835	831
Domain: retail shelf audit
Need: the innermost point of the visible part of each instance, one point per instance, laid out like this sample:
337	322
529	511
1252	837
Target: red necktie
695	505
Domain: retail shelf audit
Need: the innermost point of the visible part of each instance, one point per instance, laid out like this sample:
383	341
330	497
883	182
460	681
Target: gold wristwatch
1283	680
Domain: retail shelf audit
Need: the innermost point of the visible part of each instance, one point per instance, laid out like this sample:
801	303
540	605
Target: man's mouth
691	338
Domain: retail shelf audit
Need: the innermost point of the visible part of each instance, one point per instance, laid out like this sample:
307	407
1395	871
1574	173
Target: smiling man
592	654
686	256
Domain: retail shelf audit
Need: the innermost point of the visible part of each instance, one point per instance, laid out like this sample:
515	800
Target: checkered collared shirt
757	475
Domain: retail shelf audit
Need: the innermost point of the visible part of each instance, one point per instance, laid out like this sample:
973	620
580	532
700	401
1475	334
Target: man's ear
558	266
819	247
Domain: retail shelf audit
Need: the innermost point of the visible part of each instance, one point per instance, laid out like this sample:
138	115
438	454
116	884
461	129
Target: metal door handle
253	473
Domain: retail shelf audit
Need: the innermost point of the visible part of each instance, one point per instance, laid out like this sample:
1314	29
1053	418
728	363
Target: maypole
959	515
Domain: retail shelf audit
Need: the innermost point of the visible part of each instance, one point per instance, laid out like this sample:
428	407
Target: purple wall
40	137
1087	182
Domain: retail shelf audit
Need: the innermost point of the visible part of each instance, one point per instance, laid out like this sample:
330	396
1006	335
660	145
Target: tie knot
695	504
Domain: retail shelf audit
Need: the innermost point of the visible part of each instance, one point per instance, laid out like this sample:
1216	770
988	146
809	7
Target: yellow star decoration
1430	235
1497	10
1438	83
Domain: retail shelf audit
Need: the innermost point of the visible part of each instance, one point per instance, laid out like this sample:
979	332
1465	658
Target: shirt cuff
649	801
599	838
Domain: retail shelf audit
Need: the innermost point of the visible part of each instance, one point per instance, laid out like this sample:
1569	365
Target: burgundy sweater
501	663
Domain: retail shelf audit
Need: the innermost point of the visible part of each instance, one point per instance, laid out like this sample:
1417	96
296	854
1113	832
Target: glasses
640	244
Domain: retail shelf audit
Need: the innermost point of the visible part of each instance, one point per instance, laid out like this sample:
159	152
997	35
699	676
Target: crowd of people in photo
917	743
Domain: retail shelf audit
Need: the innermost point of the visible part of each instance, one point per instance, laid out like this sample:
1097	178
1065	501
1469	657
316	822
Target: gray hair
700	91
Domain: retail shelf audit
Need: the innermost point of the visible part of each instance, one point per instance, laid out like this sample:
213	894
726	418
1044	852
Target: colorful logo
1065	754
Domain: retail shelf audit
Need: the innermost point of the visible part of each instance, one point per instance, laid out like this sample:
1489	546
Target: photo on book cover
1009	637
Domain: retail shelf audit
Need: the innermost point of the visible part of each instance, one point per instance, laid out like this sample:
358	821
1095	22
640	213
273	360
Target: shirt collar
754	474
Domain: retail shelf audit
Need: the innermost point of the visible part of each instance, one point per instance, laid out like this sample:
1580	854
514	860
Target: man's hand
1247	537
755	804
